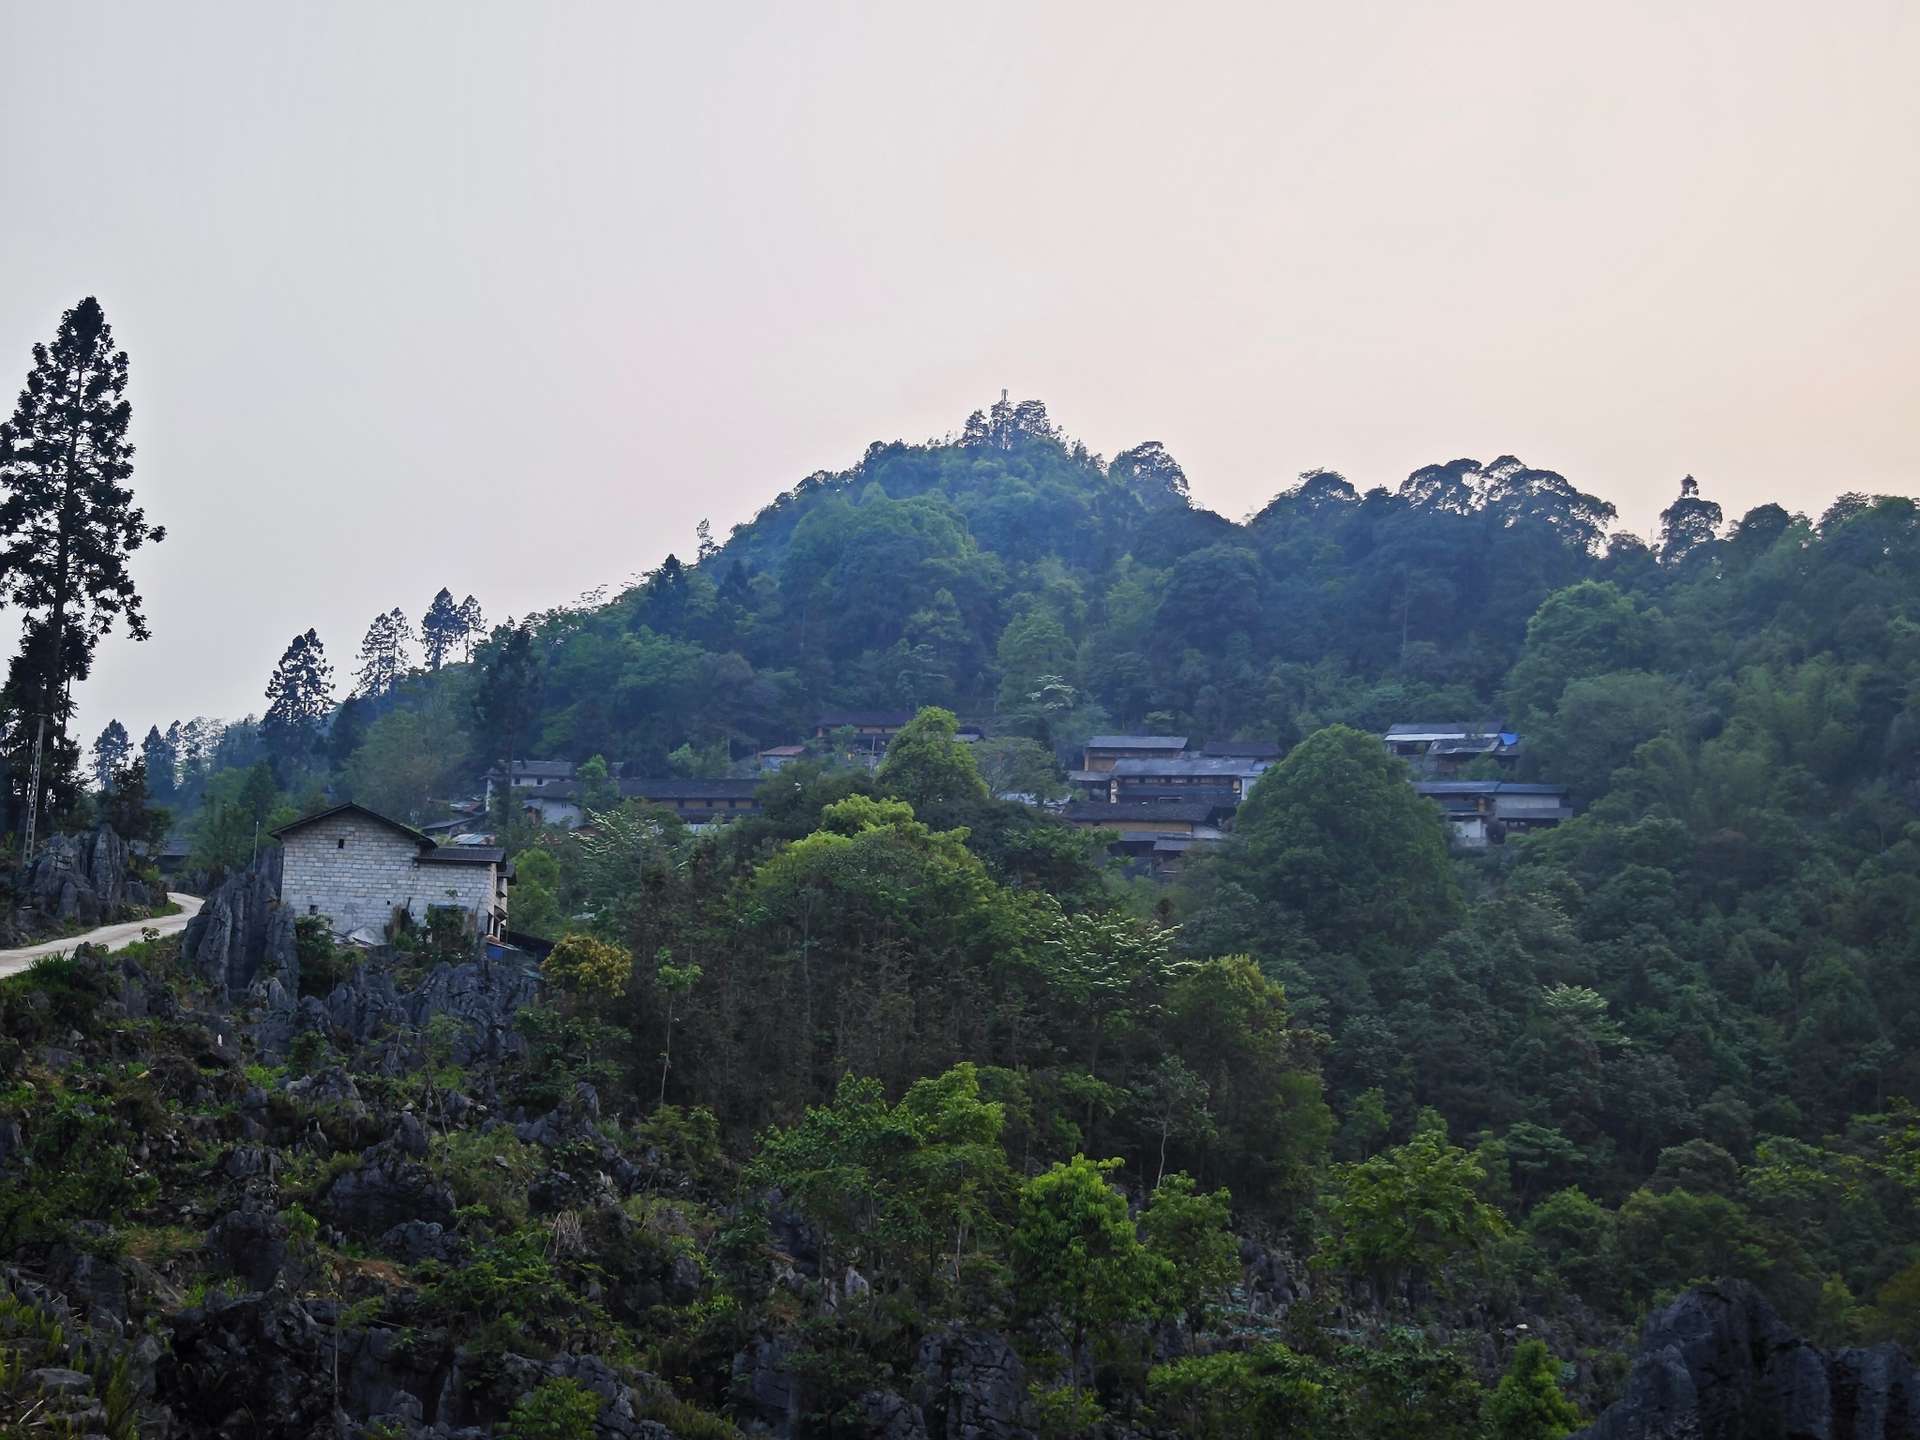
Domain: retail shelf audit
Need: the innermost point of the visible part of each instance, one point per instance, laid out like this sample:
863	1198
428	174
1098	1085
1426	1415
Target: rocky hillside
74	883
254	1185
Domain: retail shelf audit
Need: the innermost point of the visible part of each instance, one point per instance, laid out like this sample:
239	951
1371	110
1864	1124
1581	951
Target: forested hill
966	573
1012	576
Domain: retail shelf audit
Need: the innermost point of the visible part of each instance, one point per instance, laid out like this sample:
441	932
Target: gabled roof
352	809
431	852
1137	742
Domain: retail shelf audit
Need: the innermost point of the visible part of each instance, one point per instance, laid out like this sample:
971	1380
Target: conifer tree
299	694
110	751
383	655
68	523
161	758
441	628
507	699
474	624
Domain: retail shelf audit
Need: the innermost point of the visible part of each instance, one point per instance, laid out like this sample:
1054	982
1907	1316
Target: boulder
250	1242
1718	1364
413	1241
384	1192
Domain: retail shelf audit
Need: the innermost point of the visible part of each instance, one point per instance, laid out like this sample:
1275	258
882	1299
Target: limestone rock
1718	1364
244	933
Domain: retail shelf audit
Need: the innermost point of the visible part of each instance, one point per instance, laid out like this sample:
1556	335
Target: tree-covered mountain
895	1082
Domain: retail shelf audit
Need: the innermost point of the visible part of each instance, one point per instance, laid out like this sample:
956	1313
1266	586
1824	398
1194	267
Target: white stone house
357	867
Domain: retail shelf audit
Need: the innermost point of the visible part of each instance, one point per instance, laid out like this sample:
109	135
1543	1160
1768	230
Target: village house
357	868
538	775
1184	777
1103	752
776	758
698	802
1444	748
1156	834
1480	813
873	730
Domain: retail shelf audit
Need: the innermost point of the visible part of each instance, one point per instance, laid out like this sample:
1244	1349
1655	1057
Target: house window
341	843
313	909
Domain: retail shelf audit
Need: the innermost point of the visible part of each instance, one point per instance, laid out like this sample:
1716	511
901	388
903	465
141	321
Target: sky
508	297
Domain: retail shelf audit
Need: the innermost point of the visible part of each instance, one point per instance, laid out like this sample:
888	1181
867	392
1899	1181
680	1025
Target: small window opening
341	843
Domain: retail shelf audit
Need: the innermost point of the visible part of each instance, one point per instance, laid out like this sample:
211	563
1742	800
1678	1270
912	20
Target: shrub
556	1410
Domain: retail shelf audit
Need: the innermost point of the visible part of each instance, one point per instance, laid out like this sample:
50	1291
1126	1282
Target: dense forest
896	1056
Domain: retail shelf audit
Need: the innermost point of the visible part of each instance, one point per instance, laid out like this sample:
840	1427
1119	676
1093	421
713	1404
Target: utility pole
33	786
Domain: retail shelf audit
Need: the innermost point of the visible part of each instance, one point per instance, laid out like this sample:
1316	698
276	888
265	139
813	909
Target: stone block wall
357	872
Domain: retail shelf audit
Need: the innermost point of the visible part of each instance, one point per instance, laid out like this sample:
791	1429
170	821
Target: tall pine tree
68	523
299	694
383	655
110	752
162	760
474	622
441	628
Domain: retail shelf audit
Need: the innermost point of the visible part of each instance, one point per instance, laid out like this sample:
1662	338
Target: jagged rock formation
1718	1364
244	933
76	882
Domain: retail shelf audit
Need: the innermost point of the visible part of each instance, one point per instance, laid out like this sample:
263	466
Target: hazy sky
507	297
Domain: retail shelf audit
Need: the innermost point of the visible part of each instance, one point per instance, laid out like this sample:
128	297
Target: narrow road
114	937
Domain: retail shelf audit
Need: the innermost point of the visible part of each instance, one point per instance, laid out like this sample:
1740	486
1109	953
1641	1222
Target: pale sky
507	297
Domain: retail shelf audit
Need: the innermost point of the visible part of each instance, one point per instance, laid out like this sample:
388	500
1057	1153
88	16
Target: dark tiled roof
1219	795
464	855
1137	742
1092	812
1226	765
350	808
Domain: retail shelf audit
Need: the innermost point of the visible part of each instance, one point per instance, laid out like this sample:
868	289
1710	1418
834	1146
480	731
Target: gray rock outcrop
1718	1364
79	881
243	934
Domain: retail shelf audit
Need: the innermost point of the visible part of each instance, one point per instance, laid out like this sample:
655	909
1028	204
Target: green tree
1193	1233
561	1409
1336	835
927	767
406	757
110	751
1528	1404
676	982
299	694
68	524
1078	1263
1409	1211
536	893
597	788
507	699
383	655
441	628
1587	629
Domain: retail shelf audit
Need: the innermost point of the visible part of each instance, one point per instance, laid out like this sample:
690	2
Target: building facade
357	868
